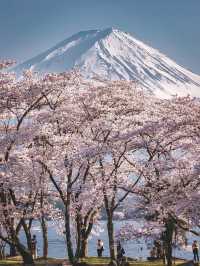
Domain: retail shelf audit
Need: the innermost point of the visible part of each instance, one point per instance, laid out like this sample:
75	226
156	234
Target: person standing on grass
120	253
34	247
100	248
195	249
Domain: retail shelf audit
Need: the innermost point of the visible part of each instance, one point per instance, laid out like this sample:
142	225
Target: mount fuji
113	54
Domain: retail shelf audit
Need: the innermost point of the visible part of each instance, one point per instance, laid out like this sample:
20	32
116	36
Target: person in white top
100	248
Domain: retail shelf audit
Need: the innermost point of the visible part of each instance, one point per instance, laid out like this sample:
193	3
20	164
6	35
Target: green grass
105	260
90	260
17	261
96	260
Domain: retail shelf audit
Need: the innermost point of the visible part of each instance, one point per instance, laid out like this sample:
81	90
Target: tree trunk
84	248
78	236
27	231
27	258
170	226
2	251
13	251
26	255
110	228
169	255
85	233
68	237
45	237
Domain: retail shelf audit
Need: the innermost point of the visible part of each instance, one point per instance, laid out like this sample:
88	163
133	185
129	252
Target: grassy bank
94	261
104	261
17	261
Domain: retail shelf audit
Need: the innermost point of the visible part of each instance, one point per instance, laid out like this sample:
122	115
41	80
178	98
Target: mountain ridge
113	54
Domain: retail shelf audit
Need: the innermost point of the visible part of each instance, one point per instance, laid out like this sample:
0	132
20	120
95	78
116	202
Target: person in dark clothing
34	247
120	253
152	254
100	248
195	249
158	247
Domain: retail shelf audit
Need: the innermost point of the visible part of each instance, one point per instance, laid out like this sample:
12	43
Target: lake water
57	246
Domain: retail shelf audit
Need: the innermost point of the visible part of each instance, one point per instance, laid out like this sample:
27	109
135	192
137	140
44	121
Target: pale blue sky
28	27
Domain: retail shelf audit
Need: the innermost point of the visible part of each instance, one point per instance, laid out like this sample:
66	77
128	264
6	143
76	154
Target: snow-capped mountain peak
114	54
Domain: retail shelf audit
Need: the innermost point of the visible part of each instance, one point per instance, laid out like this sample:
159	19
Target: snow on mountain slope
113	54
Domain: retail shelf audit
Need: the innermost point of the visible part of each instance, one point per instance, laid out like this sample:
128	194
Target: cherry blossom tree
63	137
20	99
80	127
170	170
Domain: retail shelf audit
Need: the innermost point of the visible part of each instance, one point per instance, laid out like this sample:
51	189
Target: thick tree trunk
2	251
110	228
170	226
27	258
13	251
22	250
78	237
169	255
28	238
84	248
45	237
68	237
16	245
44	227
26	255
85	232
27	231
